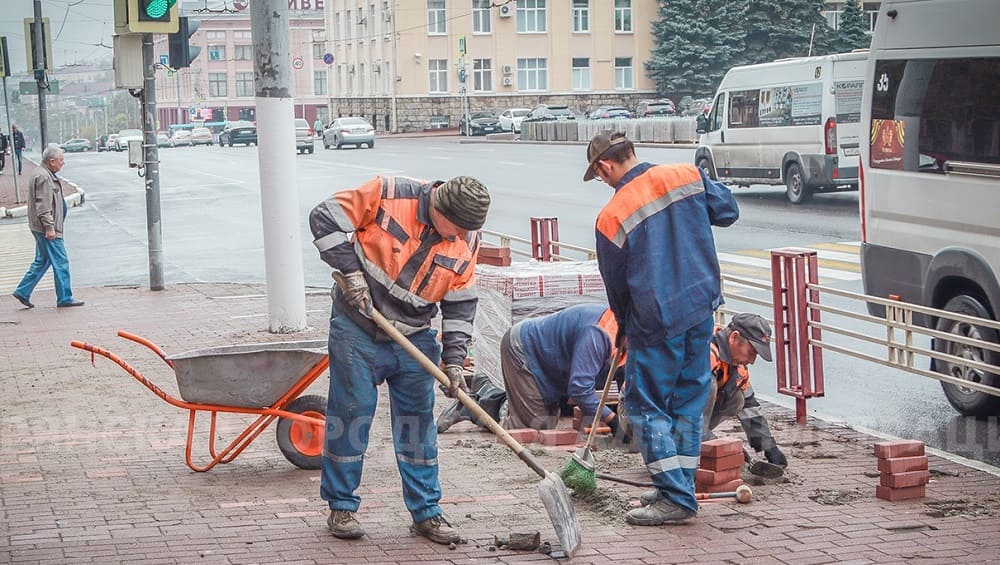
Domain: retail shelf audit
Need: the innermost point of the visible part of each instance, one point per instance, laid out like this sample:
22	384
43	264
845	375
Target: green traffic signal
156	8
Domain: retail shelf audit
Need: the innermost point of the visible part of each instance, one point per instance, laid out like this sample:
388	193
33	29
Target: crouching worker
405	247
544	361
734	347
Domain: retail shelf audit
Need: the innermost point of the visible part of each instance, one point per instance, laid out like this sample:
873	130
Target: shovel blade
559	505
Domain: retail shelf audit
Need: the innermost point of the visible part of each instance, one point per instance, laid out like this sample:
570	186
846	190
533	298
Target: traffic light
152	16
179	44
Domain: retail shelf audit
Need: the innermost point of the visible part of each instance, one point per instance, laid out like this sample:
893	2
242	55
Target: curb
73	200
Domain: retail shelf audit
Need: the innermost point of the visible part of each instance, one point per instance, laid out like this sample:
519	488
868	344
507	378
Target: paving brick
903	464
721	447
901	448
723	487
894	494
903	480
726	463
707	477
558	437
523	435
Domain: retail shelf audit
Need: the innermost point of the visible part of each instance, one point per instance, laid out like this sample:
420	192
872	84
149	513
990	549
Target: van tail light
861	199
312	132
830	136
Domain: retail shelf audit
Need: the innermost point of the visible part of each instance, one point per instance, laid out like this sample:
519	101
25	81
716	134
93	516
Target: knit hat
464	201
599	146
756	330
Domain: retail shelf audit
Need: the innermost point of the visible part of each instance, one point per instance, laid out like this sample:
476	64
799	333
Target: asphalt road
211	222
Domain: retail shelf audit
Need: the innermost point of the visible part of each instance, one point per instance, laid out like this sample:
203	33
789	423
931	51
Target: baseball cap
756	330
599	146
464	201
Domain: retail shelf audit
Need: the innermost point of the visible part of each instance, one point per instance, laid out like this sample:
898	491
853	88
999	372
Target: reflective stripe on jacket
656	250
383	228
721	371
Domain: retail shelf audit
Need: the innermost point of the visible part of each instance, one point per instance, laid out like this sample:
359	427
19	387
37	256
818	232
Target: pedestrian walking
46	214
17	141
4	141
656	253
407	248
318	127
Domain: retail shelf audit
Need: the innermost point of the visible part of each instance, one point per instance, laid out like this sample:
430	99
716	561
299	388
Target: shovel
551	489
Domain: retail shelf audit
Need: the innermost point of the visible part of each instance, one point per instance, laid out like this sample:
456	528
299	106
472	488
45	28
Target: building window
244	84
581	73
318	50
243	52
438	69
530	16
481	16
215	36
437	17
623	15
482	75
242	36
623	73
216	52
217	85
319	82
532	74
581	16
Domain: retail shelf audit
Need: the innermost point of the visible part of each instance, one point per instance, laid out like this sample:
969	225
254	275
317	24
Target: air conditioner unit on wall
507	69
507	81
505	11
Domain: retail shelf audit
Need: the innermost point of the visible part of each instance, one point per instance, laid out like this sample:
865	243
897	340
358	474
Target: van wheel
797	190
968	402
705	164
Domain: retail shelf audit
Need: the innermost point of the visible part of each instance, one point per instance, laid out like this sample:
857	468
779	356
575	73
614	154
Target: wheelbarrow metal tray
246	376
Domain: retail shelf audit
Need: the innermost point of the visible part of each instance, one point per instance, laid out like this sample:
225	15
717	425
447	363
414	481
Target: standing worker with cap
405	247
656	253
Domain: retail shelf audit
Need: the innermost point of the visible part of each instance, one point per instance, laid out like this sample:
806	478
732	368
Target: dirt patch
962	506
613	460
608	504
835	497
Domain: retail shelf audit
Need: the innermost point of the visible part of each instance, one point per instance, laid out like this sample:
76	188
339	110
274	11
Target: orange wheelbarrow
265	379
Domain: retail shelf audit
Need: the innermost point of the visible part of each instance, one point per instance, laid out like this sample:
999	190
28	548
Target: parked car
545	113
349	131
181	137
102	143
238	132
76	144
610	113
126	135
201	136
653	108
162	139
304	136
689	106
479	123
510	120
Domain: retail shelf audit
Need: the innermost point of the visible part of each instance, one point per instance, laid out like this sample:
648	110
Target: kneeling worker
544	361
734	347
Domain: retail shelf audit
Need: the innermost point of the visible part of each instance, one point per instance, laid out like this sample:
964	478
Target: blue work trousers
48	253
665	397
358	364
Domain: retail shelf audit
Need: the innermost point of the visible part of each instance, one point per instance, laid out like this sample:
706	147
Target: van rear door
848	84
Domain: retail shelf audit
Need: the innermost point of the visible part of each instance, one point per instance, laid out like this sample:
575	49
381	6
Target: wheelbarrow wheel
302	444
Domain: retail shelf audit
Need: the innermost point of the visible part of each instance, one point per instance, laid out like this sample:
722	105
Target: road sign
4	59
164	59
328	58
240	5
297	63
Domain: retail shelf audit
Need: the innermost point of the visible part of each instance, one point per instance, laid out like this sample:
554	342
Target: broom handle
604	398
435	371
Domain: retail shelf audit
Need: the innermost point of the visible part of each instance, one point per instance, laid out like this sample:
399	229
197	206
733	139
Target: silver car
349	131
303	136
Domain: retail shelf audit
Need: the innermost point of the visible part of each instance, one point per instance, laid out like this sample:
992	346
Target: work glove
356	292
456	375
774	455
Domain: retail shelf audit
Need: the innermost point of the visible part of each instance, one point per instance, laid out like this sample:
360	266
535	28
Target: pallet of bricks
720	466
903	471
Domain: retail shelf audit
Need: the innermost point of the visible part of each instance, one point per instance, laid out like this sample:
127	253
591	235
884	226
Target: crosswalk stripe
17	251
837	261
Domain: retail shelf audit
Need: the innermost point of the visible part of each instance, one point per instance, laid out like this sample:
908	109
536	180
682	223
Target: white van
792	122
930	174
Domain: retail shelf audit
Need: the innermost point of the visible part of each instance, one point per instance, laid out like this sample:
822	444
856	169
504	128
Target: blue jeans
668	386
17	155
358	364
48	253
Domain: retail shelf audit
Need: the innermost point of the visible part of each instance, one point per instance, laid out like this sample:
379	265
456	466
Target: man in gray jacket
46	212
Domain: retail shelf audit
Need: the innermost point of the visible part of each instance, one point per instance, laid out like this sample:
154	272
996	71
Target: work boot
452	415
436	529
650	496
658	513
344	525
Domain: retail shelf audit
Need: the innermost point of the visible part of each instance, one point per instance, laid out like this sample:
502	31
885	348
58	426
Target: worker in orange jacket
408	248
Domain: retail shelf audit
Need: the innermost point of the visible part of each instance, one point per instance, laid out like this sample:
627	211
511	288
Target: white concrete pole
286	301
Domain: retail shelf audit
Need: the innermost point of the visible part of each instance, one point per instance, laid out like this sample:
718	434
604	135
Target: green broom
580	471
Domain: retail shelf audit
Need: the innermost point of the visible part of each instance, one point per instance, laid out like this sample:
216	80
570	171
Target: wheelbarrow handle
149	344
461	395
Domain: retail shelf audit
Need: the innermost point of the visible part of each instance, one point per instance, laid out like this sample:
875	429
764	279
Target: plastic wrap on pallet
526	290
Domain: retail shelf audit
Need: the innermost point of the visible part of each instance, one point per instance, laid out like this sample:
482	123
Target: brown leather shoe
436	529
344	525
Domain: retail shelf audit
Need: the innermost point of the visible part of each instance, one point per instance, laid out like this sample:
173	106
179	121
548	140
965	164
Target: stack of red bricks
903	470
721	464
545	437
493	255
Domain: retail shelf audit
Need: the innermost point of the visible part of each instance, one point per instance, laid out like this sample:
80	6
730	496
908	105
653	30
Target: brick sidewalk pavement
92	470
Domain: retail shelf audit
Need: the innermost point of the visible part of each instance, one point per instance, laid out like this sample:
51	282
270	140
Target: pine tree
852	33
692	52
777	29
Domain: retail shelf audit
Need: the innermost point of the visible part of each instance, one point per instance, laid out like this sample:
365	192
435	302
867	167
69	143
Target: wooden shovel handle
604	398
